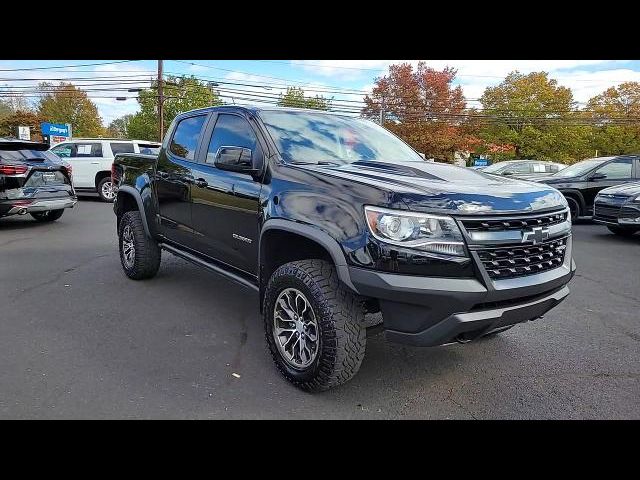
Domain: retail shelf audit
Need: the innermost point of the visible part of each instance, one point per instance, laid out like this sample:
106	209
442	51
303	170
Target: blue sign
54	129
480	162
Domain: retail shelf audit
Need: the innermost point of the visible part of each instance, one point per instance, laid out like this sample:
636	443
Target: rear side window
540	168
149	149
185	139
121	148
80	150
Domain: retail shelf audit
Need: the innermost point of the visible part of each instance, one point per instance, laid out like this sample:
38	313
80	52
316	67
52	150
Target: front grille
512	261
605	212
493	225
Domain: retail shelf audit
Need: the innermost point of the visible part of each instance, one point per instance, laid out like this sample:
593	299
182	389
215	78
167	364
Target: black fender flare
319	236
127	190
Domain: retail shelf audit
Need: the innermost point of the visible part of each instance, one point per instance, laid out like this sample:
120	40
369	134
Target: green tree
535	116
5	109
616	112
10	123
181	94
294	97
119	128
64	103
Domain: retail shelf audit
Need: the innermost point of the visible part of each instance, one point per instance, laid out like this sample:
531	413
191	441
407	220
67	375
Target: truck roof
256	109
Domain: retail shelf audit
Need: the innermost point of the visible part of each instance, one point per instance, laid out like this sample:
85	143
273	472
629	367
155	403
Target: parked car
328	217
34	181
524	169
581	181
91	159
619	208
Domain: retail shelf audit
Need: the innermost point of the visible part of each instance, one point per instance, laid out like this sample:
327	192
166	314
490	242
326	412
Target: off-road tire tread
148	253
340	316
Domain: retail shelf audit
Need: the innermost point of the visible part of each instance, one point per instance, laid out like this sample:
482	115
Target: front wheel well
576	198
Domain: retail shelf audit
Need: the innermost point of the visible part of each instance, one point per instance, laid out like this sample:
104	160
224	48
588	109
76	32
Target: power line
64	66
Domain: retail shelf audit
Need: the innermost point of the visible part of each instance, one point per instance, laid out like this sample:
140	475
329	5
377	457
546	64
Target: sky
586	78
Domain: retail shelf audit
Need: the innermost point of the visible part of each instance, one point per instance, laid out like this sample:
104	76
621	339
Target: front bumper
429	311
624	215
23	207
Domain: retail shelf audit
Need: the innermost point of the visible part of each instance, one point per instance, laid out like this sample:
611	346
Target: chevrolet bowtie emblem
535	235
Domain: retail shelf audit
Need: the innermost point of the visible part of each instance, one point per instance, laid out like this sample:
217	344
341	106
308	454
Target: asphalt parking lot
80	340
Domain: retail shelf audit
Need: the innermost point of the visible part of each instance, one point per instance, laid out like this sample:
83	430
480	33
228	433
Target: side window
230	131
121	148
149	149
64	150
185	139
540	168
87	150
619	169
519	168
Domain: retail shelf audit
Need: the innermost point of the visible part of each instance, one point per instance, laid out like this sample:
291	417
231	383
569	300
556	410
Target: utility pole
160	101
382	112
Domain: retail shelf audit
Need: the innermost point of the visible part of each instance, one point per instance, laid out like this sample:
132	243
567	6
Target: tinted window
185	138
149	149
230	131
20	155
617	170
64	150
80	150
121	148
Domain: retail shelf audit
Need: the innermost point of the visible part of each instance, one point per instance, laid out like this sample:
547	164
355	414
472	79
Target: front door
85	159
615	172
225	205
173	180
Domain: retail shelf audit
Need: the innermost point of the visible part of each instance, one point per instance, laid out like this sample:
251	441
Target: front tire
313	325
622	231
105	190
139	254
574	208
48	216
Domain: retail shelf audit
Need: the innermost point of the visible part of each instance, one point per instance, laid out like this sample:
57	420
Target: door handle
201	183
95	163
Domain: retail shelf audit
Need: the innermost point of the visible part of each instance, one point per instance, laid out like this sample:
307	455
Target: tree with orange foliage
422	107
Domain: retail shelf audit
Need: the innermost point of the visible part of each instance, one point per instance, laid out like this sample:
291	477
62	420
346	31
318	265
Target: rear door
226	204
173	179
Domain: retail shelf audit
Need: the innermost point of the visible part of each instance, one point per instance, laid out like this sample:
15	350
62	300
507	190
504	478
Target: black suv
619	208
329	217
582	181
34	181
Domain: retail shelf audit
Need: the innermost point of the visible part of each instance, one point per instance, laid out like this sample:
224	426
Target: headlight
421	231
637	199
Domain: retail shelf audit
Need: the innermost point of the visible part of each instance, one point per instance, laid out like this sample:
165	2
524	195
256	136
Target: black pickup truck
330	217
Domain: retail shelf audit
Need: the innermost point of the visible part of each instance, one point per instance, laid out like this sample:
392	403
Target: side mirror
235	159
597	176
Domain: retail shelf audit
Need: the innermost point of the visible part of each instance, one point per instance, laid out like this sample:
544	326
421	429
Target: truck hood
429	186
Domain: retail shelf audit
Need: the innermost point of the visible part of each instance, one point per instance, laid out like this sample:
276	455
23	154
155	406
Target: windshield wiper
322	162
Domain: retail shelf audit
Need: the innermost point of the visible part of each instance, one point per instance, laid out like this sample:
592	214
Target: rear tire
48	216
337	353
105	190
623	231
139	254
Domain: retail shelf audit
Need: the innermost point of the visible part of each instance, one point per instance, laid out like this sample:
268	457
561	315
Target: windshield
307	137
579	168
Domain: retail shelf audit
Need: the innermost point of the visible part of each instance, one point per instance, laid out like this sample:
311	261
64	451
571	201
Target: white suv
91	160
